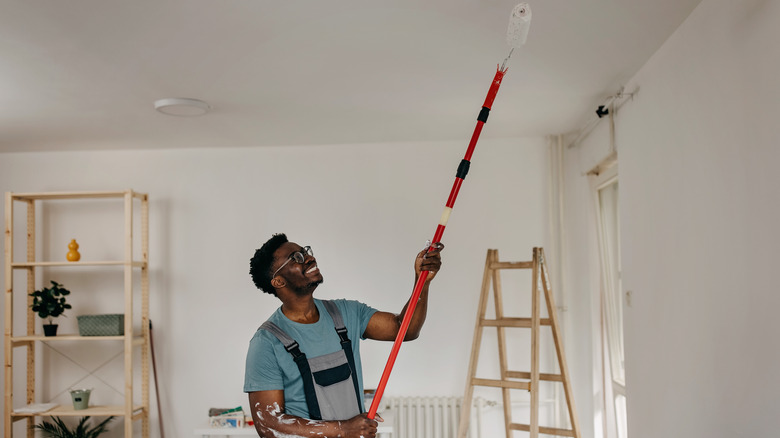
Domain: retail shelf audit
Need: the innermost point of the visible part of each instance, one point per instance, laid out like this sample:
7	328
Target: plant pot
50	329
80	398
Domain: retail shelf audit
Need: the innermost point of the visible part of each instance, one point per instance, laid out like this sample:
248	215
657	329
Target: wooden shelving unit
130	201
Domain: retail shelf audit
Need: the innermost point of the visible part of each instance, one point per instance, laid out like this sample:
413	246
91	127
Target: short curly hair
260	264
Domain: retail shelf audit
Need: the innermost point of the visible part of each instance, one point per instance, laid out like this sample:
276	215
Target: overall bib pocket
333	386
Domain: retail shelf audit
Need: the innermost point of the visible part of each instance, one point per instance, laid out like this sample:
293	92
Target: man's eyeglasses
298	256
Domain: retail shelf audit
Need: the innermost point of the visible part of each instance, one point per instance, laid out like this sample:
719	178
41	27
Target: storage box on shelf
112	324
112	327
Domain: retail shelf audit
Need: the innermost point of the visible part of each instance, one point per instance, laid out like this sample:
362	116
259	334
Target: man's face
302	278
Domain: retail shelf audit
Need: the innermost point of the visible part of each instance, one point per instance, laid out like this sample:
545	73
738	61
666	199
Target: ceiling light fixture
182	107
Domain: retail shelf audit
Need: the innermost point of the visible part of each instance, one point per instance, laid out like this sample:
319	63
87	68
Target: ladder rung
501	384
542	376
511	265
544	430
512	322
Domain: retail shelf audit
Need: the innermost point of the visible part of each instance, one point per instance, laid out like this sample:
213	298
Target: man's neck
301	309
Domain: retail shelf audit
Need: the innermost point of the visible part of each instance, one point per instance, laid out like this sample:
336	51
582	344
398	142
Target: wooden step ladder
514	380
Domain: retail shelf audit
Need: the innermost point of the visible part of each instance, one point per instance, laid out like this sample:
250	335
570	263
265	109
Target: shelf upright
131	412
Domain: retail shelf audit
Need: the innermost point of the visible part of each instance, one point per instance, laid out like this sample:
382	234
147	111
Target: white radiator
431	417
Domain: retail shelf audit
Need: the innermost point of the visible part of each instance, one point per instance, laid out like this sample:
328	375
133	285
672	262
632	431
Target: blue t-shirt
270	367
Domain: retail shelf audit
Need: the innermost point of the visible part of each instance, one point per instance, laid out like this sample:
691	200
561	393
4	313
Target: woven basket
102	325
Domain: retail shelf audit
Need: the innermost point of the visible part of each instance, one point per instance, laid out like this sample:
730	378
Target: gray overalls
330	392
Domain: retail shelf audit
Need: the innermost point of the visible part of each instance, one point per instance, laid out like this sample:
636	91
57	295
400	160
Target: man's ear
278	282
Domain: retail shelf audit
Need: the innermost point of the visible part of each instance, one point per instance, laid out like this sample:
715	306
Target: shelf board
68	411
58	338
27	265
75	195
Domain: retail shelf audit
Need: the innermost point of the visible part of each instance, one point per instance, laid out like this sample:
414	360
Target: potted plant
49	302
58	428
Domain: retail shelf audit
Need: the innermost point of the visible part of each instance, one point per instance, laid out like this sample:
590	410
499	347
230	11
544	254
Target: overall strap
346	345
303	366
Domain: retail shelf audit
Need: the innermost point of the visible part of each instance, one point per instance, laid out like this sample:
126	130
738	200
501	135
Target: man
303	371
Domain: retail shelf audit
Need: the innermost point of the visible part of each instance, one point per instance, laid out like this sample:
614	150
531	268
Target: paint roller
517	32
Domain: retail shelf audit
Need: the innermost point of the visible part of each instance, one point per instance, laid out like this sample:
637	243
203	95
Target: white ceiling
83	74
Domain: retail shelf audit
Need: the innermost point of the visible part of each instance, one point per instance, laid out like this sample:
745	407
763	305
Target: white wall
365	209
698	153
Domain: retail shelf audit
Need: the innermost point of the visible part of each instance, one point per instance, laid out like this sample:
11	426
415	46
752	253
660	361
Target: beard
309	288
313	285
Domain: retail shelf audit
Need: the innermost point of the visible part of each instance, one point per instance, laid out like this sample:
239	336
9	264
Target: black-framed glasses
298	256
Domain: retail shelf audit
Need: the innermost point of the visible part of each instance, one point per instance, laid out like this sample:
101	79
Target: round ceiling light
182	106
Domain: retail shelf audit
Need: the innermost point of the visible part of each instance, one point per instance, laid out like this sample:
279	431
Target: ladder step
544	430
512	322
501	384
542	376
511	265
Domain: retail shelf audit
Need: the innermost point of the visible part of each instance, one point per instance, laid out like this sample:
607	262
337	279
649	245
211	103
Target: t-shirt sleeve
262	371
365	314
359	314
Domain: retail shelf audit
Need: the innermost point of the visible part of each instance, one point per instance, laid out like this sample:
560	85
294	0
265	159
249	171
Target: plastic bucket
80	398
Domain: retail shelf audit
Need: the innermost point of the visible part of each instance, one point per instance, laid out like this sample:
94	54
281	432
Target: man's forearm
273	423
418	318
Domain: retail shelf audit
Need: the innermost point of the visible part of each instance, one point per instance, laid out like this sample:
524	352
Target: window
606	190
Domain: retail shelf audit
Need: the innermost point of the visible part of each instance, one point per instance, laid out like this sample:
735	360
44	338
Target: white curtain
610	265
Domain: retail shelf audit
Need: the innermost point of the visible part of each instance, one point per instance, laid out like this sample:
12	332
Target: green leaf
59	429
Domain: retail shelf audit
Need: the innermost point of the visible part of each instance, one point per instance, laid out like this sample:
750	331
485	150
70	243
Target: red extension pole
463	169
